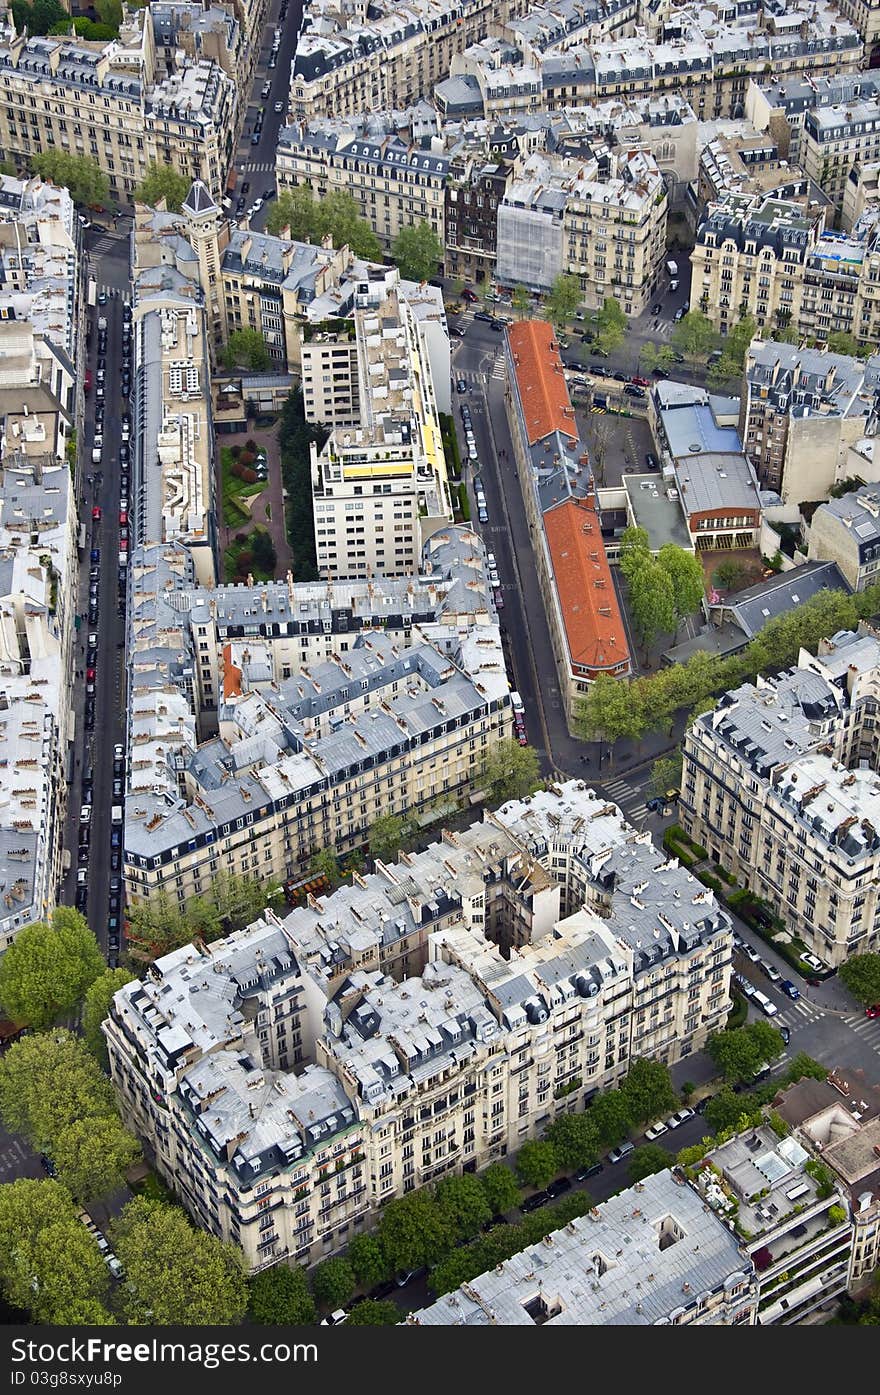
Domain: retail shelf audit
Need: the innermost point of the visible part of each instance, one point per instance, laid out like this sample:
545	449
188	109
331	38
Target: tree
521	301
294	209
40	17
338	216
840	342
414	1231
651	603
500	1187
733	356
634	551
463	1201
175	1274
666	774
417	252
537	1163
163	182
723	1110
386	836
263	548
575	1138
92	1156
648	1090
333	1282
653	356
610	1114
49	1081
694	336
374	1312
740	1053
248	348
861	975
563	300
611	325
49	1263
47	969
83	178
110	13
600	432
98	1000
647	1159
510	772
609	711
729	574
326	864
280	1297
367	1260
685	571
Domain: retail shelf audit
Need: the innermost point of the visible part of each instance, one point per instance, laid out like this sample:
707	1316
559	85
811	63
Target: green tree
247	347
666	774
93	1155
49	1081
39	17
163	182
83	178
510	771
499	1184
521	301
98	1001
786	334
694	337
735	347
463	1201
49	1263
648	1090
294	209
653	356
685	571
417	252
110	13
729	575
740	1053
333	1282
723	1110
610	1114
575	1138
157	925
610	711
840	342
563	300
375	1312
338	216
47	969
414	1231
386	836
634	551
652	603
175	1274
861	975
611	325
647	1159
537	1163
326	864
280	1297
367	1260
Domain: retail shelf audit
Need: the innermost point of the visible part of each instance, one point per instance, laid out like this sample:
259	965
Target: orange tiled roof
543	391
587	599
231	675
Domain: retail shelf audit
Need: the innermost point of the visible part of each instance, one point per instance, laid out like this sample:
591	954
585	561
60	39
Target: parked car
335	1318
534	1202
557	1188
498	597
751	953
680	1117
650	460
591	1170
768	1008
461	385
785	1033
656	1131
485	316
632	390
813	963
789	989
657	309
470	296
622	1151
873	1011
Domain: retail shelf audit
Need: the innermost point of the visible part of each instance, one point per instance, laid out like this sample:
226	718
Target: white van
516	702
769	1009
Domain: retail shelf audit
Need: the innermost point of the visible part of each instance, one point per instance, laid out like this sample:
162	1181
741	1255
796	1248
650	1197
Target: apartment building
558	215
266	723
586	627
652	1256
380	488
348	62
847	531
114	104
836	138
475	187
801	410
171	408
779	784
440	1010
741	160
797	1233
396	181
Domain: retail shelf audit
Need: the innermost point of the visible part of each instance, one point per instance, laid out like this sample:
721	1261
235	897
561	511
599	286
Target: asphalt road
109	265
256	163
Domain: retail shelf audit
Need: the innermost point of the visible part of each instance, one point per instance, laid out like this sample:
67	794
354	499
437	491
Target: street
256	163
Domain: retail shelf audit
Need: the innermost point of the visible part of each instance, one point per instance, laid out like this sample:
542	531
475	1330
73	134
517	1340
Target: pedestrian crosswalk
257	167
867	1029
631	801
799	1013
100	246
499	370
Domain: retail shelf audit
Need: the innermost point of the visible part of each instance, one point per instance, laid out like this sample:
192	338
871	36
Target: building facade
847	531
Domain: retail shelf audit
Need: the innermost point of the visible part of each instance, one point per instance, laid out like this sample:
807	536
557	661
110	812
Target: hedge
464	502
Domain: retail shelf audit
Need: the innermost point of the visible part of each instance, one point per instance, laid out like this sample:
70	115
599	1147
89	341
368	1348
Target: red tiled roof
231	674
540	381
587	599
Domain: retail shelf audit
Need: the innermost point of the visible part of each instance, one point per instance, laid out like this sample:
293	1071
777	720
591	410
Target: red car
521	737
640	382
873	1011
123	544
90	675
470	296
123	518
96	514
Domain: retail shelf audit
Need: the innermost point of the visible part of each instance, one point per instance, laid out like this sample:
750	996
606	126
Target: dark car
246	186
532	1203
650	460
657	309
597	368
484	315
126	312
659	372
255	138
82	898
562	1184
48	1165
113	905
116	838
785	1033
461	385
240	204
655	805
115	860
470	296
591	1170
701	1105
632	391
499	326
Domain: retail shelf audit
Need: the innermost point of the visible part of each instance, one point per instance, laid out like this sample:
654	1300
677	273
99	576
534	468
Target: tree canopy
160	924
463	1202
333	1282
685	572
510	771
861	975
82	177
575	1138
163	182
499	1184
648	1090
563	300
47	969
247	348
374	1312
650	1157
367	1259
415	1231
694	336
325	863
336	215
611	325
537	1163
739	1054
175	1274
417	252
611	710
386	836
280	1297
611	1116
652	602
50	1264
98	1000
